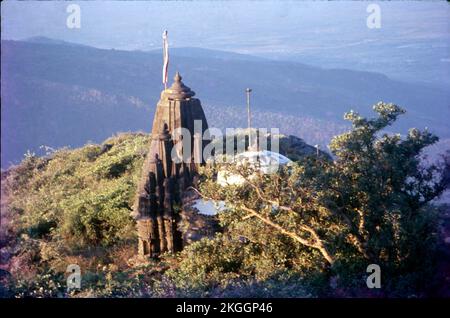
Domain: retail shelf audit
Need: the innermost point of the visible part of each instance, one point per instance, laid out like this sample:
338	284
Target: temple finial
178	90
177	77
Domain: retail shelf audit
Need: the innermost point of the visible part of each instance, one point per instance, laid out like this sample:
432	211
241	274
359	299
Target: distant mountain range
56	93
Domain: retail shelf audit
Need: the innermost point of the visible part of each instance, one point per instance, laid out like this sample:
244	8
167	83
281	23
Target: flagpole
166	59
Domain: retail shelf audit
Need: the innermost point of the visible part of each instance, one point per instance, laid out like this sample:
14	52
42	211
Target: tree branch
317	244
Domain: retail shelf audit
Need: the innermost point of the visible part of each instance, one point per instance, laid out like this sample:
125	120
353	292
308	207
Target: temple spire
177	77
161	190
178	90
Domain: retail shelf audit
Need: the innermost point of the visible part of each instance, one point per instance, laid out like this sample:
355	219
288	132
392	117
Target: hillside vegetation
73	205
308	231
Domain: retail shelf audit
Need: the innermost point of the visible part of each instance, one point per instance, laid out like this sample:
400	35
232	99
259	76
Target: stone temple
164	181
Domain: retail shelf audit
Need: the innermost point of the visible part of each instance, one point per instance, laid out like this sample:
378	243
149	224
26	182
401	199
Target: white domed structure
209	207
267	162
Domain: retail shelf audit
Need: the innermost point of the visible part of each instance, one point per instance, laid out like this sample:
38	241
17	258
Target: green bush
83	196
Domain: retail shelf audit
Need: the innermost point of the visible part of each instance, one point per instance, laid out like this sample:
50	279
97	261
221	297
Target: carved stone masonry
163	182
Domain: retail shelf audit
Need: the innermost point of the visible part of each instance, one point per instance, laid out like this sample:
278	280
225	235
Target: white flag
166	58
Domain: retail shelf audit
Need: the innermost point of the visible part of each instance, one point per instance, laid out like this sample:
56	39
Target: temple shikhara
165	200
164	180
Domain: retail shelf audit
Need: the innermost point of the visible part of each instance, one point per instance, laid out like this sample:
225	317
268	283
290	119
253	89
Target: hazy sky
139	24
415	34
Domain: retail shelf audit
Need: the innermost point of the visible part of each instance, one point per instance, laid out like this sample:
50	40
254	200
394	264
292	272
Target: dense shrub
73	206
84	195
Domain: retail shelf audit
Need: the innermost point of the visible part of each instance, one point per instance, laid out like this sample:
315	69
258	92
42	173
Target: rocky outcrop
193	224
296	148
290	146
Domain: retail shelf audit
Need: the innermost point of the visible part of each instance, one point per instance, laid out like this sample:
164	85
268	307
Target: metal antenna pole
249	120
317	150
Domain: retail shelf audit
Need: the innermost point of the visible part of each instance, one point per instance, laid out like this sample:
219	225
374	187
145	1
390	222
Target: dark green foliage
371	205
83	196
224	267
309	230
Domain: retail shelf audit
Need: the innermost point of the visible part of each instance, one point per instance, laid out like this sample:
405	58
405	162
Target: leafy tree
369	205
382	189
